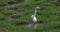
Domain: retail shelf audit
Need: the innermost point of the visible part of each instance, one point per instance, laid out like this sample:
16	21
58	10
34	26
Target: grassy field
18	11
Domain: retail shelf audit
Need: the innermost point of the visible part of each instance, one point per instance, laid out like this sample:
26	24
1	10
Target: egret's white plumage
33	18
34	15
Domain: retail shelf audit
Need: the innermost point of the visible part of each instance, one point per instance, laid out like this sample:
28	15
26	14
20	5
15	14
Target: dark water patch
42	22
3	4
11	2
21	23
2	19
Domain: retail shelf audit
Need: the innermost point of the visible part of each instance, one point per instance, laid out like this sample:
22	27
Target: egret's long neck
35	12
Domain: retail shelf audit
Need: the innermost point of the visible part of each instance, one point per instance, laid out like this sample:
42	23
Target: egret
33	17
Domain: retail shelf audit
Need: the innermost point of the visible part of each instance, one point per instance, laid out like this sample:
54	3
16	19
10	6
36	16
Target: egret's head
37	7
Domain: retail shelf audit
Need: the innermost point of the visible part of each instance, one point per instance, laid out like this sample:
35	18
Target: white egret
34	19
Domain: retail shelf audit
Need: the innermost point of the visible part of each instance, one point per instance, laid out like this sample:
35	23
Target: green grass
51	14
